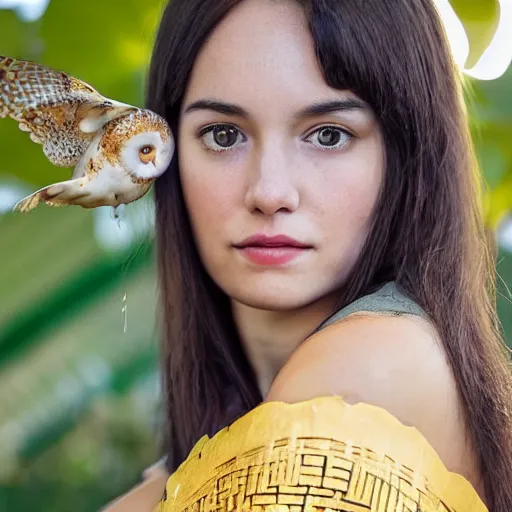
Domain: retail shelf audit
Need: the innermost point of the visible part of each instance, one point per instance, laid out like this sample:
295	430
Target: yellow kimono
320	455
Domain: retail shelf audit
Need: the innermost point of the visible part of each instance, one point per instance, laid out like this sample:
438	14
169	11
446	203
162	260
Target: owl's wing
60	112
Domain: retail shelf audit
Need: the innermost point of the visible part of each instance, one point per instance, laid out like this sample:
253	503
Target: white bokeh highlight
135	221
505	234
27	10
10	193
496	59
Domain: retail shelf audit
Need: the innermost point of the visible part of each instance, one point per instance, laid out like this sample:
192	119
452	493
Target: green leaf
480	20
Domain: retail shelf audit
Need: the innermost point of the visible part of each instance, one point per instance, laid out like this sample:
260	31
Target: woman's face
267	148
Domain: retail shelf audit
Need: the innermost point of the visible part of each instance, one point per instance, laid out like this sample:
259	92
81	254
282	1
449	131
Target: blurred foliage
92	464
480	20
492	132
88	351
490	107
108	44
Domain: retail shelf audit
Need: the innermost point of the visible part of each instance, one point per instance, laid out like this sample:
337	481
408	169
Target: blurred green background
79	396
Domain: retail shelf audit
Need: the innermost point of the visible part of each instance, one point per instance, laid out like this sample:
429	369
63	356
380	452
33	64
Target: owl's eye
147	154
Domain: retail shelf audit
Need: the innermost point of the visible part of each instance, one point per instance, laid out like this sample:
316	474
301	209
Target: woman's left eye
330	137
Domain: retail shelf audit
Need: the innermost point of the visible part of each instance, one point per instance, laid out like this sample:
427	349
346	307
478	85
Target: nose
272	187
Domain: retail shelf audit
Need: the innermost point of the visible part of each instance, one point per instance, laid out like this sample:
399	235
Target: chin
269	303
278	297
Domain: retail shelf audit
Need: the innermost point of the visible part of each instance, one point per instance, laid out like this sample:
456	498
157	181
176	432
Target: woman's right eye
221	137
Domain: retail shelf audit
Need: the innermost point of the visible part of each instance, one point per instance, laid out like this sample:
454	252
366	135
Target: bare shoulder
393	362
145	496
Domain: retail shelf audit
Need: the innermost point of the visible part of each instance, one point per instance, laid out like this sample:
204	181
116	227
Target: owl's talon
27	204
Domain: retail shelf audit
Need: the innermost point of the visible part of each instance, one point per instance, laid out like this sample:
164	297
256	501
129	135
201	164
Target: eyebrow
324	107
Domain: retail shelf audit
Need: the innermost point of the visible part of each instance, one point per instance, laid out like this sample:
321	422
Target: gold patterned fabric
322	455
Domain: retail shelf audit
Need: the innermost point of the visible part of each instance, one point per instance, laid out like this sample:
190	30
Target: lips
272	250
272	241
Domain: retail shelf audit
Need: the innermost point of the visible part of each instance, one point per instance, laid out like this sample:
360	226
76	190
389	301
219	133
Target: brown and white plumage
117	150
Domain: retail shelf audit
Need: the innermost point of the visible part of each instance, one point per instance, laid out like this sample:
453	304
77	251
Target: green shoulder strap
387	299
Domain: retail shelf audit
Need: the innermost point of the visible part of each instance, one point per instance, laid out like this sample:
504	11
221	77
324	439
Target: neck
270	337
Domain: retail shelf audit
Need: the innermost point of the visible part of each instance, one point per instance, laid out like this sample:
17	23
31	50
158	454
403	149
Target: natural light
27	10
498	56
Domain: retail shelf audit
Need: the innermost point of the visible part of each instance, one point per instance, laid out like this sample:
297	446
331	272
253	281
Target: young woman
320	243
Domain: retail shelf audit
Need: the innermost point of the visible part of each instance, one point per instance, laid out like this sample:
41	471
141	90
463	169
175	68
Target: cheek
345	219
346	197
209	199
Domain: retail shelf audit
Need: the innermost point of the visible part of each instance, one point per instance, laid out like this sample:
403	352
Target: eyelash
210	128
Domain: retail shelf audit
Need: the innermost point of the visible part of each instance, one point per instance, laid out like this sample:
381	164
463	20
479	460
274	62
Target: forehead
261	55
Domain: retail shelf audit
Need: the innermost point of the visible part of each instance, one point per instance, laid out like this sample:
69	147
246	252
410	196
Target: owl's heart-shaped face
140	142
147	155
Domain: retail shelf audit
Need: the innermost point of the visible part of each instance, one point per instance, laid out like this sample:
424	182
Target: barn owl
117	150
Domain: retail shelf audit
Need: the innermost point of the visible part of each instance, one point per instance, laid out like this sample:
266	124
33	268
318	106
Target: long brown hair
427	233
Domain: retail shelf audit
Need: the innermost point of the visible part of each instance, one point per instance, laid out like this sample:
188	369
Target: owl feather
60	112
117	150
